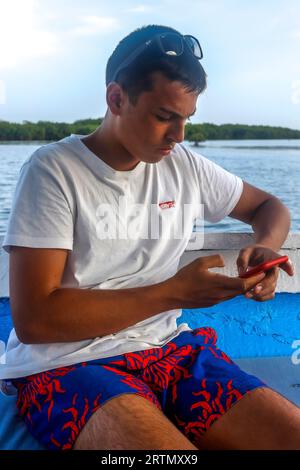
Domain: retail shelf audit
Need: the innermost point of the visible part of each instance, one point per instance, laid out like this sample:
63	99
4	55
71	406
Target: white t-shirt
67	197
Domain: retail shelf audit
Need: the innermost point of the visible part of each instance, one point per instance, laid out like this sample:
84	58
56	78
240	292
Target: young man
96	355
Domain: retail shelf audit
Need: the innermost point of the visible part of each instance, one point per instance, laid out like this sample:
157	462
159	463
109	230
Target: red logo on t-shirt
166	204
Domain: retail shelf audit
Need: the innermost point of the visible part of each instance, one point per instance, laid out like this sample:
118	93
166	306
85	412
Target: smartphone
263	267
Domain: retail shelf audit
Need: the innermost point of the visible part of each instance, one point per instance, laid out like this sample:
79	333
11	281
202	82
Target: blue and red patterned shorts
192	381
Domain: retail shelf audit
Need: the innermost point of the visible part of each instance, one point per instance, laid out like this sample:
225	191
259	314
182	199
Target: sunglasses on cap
171	44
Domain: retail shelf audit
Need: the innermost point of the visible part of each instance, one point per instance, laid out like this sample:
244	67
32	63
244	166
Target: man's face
157	120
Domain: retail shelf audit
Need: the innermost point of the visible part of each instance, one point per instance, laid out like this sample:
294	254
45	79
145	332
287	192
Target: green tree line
206	131
46	130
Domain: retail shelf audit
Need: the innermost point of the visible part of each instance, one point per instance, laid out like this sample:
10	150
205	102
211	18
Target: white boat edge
227	244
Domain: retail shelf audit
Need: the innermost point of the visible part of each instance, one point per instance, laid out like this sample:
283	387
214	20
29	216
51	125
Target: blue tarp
247	328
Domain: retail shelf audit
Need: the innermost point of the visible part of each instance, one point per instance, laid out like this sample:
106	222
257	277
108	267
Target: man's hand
194	286
253	255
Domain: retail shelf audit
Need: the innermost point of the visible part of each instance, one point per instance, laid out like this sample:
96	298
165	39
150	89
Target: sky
53	55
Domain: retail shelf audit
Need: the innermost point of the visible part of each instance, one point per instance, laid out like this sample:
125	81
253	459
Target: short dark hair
137	77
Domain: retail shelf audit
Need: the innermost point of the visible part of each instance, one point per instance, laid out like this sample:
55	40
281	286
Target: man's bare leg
263	419
131	422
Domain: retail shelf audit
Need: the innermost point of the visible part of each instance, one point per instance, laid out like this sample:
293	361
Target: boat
263	338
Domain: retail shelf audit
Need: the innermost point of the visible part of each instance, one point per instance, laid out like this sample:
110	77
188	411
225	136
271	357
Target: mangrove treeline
46	130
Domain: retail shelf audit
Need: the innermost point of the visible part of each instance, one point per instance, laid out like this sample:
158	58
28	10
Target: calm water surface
272	165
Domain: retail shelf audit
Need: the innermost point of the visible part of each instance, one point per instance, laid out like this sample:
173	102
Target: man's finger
250	282
267	286
238	285
260	292
288	267
263	298
243	260
213	261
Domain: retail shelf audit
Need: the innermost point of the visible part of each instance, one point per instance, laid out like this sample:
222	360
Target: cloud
20	36
92	25
140	9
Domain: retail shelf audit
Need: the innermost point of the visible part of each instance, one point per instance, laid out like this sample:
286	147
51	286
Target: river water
272	165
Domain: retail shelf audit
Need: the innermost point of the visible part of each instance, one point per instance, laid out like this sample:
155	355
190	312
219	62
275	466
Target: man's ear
114	98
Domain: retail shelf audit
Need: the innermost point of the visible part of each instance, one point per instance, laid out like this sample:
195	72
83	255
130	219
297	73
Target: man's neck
103	143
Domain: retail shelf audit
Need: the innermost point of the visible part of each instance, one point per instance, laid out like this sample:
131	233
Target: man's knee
262	419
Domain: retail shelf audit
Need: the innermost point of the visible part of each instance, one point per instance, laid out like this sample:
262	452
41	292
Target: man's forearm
271	224
77	314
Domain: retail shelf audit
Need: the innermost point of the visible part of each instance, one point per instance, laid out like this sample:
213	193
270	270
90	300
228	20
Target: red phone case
265	266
